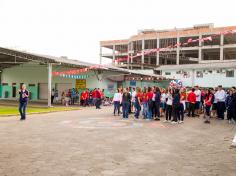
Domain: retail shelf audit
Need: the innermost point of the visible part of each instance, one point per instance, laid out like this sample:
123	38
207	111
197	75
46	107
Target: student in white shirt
133	95
220	97
198	94
169	103
117	100
163	102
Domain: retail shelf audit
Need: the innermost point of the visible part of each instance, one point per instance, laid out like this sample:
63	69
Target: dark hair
193	89
149	89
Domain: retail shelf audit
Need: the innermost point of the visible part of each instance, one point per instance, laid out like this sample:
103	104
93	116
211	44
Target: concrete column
200	48
49	84
128	60
149	60
178	49
143	46
113	53
193	78
158	52
100	61
131	59
221	47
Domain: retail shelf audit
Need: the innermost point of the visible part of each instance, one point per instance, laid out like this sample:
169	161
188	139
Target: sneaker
165	121
181	121
174	122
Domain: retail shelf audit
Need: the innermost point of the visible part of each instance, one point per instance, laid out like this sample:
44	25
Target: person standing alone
23	99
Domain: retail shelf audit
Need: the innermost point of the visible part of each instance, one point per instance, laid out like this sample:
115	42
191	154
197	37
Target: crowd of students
174	103
85	98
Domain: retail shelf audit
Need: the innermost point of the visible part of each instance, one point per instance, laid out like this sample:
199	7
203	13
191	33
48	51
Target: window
157	72
167	73
230	73
199	74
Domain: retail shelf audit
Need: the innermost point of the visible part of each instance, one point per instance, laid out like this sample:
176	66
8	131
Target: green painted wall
0	91
7	89
33	92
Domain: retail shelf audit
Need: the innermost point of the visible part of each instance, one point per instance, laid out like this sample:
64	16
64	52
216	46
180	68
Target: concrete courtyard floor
94	142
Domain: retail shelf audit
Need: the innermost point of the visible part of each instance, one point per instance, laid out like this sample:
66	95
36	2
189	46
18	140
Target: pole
49	84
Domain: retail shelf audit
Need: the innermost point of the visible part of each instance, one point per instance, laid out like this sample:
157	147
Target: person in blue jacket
23	99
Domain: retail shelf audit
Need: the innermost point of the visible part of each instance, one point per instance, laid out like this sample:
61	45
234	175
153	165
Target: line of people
155	102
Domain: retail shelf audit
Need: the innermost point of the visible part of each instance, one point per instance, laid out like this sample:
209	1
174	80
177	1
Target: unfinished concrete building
207	63
221	48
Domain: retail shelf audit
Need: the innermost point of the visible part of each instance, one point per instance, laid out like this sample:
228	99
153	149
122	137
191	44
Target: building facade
195	50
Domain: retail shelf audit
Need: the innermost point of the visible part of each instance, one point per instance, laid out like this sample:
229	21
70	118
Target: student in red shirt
149	101
94	96
137	103
98	98
86	97
82	98
192	100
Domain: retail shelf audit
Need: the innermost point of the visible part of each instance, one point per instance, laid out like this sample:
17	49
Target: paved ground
93	142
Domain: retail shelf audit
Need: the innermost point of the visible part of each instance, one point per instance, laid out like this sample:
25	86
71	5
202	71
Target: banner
80	84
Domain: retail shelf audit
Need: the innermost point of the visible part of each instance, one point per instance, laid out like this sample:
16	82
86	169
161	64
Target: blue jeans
145	110
117	107
125	109
137	108
22	107
149	112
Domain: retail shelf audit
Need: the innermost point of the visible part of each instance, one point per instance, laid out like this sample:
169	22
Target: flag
190	40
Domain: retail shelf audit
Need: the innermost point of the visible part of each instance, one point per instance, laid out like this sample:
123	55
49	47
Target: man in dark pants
192	100
126	103
24	94
98	99
220	97
234	103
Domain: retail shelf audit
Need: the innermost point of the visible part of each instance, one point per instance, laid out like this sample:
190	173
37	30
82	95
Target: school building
35	70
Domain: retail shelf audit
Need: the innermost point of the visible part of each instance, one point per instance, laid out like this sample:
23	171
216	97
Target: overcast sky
74	28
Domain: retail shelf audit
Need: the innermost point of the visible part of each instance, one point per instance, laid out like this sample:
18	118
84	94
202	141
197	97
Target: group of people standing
174	103
133	101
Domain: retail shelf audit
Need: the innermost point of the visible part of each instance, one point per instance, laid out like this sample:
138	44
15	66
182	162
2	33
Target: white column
100	62
49	83
158	52
143	46
178	48
200	48
221	47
